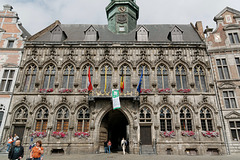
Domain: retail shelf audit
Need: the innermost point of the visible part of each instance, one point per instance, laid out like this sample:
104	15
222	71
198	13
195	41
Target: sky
35	15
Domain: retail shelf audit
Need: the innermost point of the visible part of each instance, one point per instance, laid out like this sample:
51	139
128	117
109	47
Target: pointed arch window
41	119
125	70
2	110
49	76
68	76
206	119
85	76
181	77
62	118
145	115
106	79
146	76
200	79
166	119
83	118
21	115
162	77
186	119
30	78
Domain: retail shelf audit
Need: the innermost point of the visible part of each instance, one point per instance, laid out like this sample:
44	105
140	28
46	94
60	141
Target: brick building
224	49
173	115
12	35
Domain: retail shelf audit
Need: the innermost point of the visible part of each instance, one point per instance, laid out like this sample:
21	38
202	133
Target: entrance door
114	128
19	130
146	135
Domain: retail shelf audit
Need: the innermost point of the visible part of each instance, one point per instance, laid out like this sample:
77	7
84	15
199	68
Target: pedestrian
37	151
123	144
10	140
16	152
106	146
109	146
15	138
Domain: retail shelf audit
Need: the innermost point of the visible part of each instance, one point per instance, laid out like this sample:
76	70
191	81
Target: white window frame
230	98
13	79
221	58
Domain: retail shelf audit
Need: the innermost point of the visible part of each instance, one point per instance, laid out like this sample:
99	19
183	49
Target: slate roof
157	33
25	33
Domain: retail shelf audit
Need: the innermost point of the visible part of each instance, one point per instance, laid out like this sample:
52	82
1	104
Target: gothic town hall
173	114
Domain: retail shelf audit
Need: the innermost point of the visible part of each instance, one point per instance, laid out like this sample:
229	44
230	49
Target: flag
122	82
140	83
105	79
90	87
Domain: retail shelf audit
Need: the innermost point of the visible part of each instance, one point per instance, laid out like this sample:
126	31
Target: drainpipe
219	106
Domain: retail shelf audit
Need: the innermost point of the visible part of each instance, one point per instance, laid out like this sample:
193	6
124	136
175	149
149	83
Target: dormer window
233	37
176	34
57	34
142	34
91	34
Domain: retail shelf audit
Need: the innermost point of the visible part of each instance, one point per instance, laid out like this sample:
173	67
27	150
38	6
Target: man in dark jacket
16	152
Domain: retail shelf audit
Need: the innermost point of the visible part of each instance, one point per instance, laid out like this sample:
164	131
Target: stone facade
223	47
172	115
11	47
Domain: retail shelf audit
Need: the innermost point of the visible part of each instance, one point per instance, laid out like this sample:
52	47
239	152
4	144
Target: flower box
170	134
188	134
184	90
146	91
210	134
83	90
59	134
167	90
65	90
81	135
46	90
36	134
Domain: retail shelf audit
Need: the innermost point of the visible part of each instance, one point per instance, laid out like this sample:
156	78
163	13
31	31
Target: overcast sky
38	14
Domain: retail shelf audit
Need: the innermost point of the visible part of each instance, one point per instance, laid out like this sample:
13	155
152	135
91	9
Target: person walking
37	151
10	140
15	138
109	146
16	152
124	144
106	146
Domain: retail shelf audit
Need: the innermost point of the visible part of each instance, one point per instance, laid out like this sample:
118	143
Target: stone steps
147	149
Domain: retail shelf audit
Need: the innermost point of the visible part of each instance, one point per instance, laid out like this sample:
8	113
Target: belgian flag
122	82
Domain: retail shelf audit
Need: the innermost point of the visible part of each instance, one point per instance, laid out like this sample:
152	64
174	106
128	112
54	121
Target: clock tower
122	16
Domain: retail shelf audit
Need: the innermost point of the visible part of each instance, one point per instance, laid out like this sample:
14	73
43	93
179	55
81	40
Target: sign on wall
115	99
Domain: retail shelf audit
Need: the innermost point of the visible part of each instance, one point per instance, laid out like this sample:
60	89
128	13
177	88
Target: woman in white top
124	144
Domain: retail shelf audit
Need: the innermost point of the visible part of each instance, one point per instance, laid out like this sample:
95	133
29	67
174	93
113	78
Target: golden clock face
122	9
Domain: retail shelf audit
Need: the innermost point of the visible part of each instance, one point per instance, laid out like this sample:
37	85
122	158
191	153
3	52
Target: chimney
208	31
7	7
199	28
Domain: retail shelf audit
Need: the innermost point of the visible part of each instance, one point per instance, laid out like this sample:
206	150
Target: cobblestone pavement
132	157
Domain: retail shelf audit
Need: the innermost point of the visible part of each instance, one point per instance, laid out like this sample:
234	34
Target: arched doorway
114	127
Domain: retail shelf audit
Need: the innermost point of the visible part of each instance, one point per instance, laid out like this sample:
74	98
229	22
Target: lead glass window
2	110
21	115
126	71
200	80
206	119
165	119
106	79
162	77
186	119
85	76
62	118
68	76
30	78
41	119
49	76
83	118
145	115
146	76
181	77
